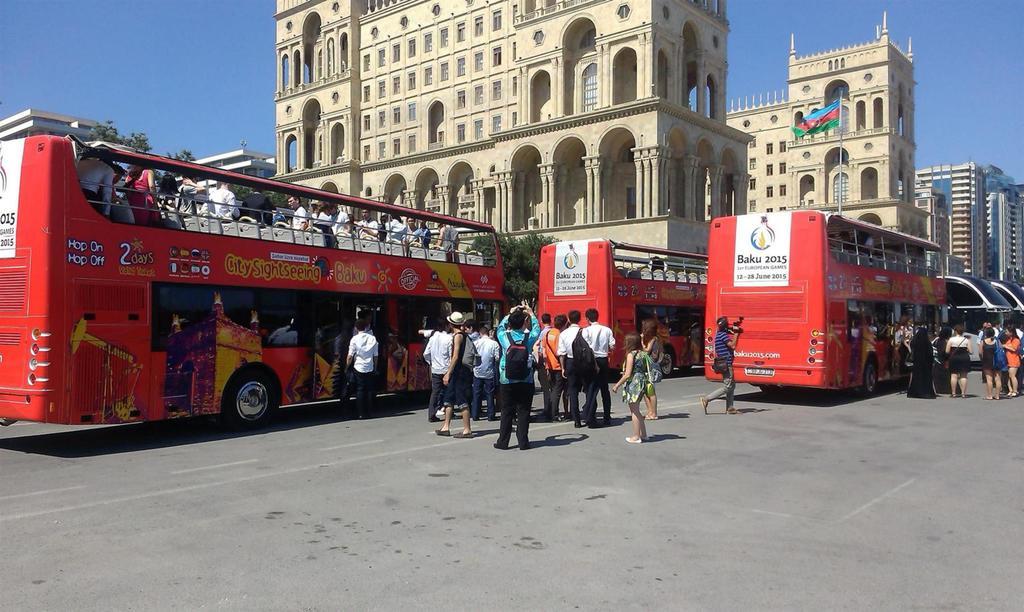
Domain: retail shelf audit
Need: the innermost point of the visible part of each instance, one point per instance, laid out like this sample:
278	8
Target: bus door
380	320
334	319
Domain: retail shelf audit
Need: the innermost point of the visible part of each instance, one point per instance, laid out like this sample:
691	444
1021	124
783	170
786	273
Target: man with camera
725	349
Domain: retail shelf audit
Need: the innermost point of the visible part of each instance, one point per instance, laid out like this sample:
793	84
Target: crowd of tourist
468	361
941	363
135	196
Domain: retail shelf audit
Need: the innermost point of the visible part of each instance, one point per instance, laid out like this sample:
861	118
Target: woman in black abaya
921	372
940	371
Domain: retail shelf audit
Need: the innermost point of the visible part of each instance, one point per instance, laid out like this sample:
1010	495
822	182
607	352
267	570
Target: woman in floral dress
636	384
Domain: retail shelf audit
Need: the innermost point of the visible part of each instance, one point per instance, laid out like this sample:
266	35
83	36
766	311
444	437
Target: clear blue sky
199	74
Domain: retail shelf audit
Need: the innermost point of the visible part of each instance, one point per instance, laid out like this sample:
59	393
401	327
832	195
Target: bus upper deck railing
192	213
883	259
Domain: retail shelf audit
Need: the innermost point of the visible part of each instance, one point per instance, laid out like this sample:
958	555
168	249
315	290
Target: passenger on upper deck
449	235
97	180
225	205
258	206
366	226
422	235
300	218
141	185
189	191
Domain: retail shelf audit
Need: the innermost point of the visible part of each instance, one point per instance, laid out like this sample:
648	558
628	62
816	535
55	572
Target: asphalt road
811	501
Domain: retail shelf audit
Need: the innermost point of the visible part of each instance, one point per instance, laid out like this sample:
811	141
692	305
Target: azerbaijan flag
821	120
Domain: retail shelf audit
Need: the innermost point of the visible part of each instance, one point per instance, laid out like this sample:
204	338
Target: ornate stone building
581	118
876	179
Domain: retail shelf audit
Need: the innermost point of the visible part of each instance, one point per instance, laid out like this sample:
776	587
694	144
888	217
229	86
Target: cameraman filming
725	349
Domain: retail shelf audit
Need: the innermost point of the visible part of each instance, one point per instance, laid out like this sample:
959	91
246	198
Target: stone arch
706	160
435	124
663	75
869	183
578	48
540	97
711	98
426	189
285	72
691	49
311	153
836	88
798	118
570	182
329	186
337	142
394	189
618	175
526	187
806	189
836	182
677	152
310	36
624	77
728	190
871	218
291	153
460	185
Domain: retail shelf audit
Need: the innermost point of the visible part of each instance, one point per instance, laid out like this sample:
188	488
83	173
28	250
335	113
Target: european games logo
571	258
763	236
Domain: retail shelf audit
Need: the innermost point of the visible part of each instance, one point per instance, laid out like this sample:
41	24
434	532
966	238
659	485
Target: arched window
291	152
436	124
297	69
711	111
330	56
841	186
877	113
590	88
284	72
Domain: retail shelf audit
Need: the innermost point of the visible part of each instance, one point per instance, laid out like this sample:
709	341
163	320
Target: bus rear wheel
249	400
869	382
667	363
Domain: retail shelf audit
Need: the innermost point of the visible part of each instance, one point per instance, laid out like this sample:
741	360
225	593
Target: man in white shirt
437	353
342	227
97	179
484	375
224	203
300	218
362	359
574	381
367	227
602	342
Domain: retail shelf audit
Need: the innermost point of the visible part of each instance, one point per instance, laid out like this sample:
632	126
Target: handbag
720	365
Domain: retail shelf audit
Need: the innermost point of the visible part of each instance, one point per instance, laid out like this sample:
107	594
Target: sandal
463	435
442	432
650	417
634	440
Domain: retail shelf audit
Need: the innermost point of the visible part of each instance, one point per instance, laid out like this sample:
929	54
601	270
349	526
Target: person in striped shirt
725	347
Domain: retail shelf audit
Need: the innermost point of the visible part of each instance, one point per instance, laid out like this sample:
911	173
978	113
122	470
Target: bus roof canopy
839	222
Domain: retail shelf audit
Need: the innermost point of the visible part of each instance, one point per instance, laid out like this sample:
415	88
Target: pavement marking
340	446
892	491
214	467
43	492
786	515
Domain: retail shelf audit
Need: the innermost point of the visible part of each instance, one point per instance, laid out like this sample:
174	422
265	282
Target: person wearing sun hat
458	381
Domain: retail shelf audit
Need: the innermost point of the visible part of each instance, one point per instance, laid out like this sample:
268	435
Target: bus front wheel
249	400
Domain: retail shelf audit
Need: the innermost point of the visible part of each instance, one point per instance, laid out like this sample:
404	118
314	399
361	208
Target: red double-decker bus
202	311
629	284
821	296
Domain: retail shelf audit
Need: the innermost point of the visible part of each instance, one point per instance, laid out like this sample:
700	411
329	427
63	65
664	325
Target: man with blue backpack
517	334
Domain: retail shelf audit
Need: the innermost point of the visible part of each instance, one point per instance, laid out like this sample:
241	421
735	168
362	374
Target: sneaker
440	413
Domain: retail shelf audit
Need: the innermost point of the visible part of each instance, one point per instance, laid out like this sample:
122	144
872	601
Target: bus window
279	317
960	295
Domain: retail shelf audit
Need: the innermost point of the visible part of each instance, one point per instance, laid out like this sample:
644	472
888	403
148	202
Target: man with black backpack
517	334
578	364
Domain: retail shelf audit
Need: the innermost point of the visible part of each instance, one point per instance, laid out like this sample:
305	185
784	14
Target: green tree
108	132
520	260
183	155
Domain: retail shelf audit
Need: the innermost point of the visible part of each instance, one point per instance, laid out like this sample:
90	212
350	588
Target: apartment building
592	118
963	187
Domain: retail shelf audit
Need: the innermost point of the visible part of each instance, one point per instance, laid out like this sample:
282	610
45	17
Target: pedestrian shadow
671	415
664	437
559	440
